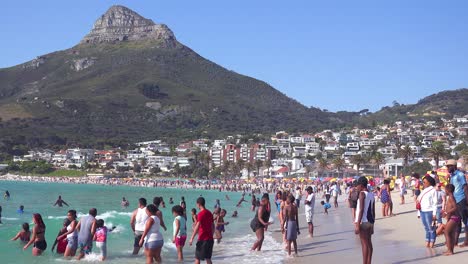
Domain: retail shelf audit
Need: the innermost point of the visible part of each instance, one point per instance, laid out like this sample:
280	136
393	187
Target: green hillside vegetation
115	93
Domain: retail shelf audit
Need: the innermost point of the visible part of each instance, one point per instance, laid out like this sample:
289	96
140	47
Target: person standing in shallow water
38	236
60	202
204	228
365	218
137	223
260	222
86	229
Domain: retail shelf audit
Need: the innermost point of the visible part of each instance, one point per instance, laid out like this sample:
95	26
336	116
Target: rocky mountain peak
120	23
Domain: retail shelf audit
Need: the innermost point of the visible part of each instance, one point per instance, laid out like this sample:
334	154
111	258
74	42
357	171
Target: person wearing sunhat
457	178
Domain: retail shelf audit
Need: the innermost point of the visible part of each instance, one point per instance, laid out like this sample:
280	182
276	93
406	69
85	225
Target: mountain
129	79
444	104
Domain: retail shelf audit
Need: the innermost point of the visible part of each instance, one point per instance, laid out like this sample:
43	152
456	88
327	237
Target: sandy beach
398	239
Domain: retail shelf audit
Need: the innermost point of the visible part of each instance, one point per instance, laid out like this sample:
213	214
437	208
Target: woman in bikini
38	236
453	220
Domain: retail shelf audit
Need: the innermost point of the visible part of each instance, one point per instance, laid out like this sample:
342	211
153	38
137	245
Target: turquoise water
39	198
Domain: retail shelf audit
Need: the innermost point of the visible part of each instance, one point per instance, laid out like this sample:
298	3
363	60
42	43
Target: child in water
61	244
24	235
326	206
101	237
180	231
219	225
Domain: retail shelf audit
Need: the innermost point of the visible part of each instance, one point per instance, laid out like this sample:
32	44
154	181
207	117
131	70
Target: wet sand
398	239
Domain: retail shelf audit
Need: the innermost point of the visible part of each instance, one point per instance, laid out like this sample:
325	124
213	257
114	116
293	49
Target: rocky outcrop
122	24
83	63
34	64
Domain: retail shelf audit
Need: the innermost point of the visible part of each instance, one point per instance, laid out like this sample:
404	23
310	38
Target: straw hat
451	162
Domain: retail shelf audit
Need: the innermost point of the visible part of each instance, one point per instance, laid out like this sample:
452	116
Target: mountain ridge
131	82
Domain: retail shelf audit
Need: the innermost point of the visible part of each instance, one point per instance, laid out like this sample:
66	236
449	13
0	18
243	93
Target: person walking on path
457	178
365	218
204	228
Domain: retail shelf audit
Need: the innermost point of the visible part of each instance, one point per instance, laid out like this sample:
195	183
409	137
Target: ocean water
40	197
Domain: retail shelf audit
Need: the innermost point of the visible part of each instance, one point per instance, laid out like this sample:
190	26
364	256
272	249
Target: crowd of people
434	201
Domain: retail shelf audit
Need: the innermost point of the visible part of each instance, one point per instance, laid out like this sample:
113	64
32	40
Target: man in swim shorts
86	228
204	227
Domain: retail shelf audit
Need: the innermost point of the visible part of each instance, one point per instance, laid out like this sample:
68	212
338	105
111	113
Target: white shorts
103	247
309	215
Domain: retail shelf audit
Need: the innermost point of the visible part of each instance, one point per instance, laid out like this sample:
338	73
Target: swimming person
38	236
234	214
60	202
71	235
20	210
24	235
137	222
6	196
179	226
86	228
204	228
61	243
124	203
152	237
365	218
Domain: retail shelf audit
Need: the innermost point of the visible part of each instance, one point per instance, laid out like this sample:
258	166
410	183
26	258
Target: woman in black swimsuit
260	221
38	236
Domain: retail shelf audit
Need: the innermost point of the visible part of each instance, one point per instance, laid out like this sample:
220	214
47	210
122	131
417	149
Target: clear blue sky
336	55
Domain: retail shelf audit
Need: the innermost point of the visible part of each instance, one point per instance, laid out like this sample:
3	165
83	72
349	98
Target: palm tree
308	169
377	159
250	167
437	151
357	160
226	168
323	165
267	164
339	164
464	155
322	144
258	166
406	153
